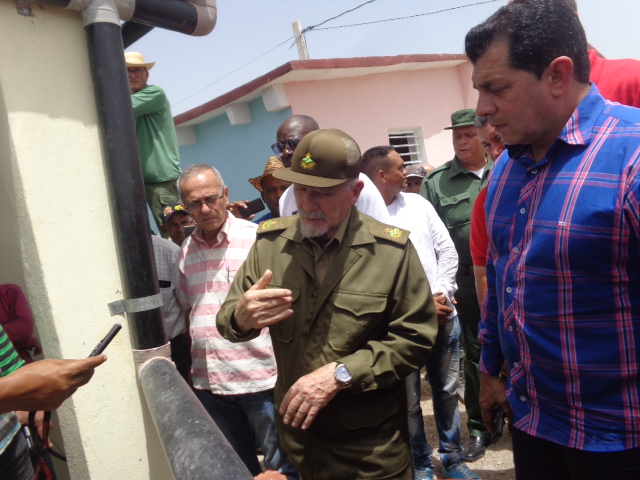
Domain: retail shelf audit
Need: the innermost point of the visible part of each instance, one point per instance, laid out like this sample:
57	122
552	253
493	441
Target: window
409	143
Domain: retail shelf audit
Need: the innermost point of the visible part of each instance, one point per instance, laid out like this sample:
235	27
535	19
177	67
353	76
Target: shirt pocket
456	209
284	330
357	317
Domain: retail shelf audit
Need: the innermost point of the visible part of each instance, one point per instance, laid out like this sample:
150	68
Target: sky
244	43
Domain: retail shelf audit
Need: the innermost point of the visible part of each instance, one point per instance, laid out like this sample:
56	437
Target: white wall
56	237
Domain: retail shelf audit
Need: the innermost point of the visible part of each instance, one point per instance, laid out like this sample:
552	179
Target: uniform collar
457	169
356	231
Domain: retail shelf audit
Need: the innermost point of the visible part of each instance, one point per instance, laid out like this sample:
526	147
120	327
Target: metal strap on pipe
132	305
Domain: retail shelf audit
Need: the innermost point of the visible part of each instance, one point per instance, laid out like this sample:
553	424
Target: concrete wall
56	237
239	152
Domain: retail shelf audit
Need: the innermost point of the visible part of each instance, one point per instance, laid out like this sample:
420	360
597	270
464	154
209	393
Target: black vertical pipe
125	183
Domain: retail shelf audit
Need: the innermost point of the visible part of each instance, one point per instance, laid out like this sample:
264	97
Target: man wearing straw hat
157	140
270	188
350	314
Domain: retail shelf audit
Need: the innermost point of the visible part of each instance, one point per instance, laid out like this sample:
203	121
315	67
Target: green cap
323	158
462	118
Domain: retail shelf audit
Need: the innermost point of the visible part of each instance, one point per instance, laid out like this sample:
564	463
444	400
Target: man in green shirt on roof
157	140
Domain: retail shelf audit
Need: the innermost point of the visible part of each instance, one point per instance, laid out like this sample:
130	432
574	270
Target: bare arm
480	274
44	385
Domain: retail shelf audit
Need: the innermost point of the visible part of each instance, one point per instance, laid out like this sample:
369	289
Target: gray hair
195	170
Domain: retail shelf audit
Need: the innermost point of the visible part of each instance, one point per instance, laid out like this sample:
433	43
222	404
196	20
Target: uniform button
210	268
523	398
510	329
509	289
515	250
516	364
523	210
206	334
363	385
321	264
534	171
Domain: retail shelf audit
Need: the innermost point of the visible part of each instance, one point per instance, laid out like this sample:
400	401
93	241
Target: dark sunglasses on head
290	144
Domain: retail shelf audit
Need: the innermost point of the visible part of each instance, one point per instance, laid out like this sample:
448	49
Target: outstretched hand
45	384
234	208
260	307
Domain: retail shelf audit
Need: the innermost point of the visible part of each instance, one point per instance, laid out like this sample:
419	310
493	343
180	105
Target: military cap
462	118
323	158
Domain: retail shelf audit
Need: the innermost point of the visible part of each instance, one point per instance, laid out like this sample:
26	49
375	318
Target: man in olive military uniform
452	189
345	299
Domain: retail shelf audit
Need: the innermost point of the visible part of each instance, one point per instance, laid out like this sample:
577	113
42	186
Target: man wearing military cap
452	189
345	299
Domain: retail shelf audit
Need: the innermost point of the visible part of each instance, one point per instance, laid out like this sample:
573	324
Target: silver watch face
342	374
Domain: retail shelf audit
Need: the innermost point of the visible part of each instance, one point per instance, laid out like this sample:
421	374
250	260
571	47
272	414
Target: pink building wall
367	107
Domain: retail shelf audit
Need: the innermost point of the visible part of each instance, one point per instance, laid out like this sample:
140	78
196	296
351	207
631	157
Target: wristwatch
342	376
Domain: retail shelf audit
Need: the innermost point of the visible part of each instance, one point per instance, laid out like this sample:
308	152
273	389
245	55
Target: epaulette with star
276	224
387	232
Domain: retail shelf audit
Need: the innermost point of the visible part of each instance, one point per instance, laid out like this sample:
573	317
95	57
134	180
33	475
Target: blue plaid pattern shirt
563	306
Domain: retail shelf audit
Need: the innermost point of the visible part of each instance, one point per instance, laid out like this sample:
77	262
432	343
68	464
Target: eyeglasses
196	205
136	71
290	145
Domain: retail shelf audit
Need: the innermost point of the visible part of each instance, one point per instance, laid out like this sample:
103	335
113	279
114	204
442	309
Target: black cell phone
254	206
106	340
188	230
497	425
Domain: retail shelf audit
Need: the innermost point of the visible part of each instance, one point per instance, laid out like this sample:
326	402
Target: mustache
312	215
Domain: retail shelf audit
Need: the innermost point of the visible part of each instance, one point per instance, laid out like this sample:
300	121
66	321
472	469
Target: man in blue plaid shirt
563	208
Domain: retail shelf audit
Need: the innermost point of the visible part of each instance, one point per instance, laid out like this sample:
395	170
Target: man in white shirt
384	166
289	134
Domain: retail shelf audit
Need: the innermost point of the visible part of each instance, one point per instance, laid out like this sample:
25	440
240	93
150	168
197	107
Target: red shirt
617	80
479	238
17	320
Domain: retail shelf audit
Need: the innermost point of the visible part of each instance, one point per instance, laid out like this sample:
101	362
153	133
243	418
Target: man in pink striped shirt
234	382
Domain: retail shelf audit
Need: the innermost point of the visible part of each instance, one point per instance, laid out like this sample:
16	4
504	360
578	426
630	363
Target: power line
315	27
232	72
345	12
401	18
268	51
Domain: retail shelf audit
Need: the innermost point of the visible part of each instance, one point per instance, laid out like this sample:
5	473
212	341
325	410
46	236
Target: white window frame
414	141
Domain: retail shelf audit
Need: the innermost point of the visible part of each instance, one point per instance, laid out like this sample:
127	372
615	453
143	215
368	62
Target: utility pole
301	43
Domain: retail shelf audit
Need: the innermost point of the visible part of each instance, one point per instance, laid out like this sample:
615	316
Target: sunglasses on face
289	145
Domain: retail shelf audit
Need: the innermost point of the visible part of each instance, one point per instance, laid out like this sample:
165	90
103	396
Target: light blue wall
238	152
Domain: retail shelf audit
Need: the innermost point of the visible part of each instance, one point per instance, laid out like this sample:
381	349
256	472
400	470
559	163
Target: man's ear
559	75
381	175
356	191
163	229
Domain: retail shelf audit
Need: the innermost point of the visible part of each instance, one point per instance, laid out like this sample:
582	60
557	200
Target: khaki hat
135	59
462	118
323	158
273	163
